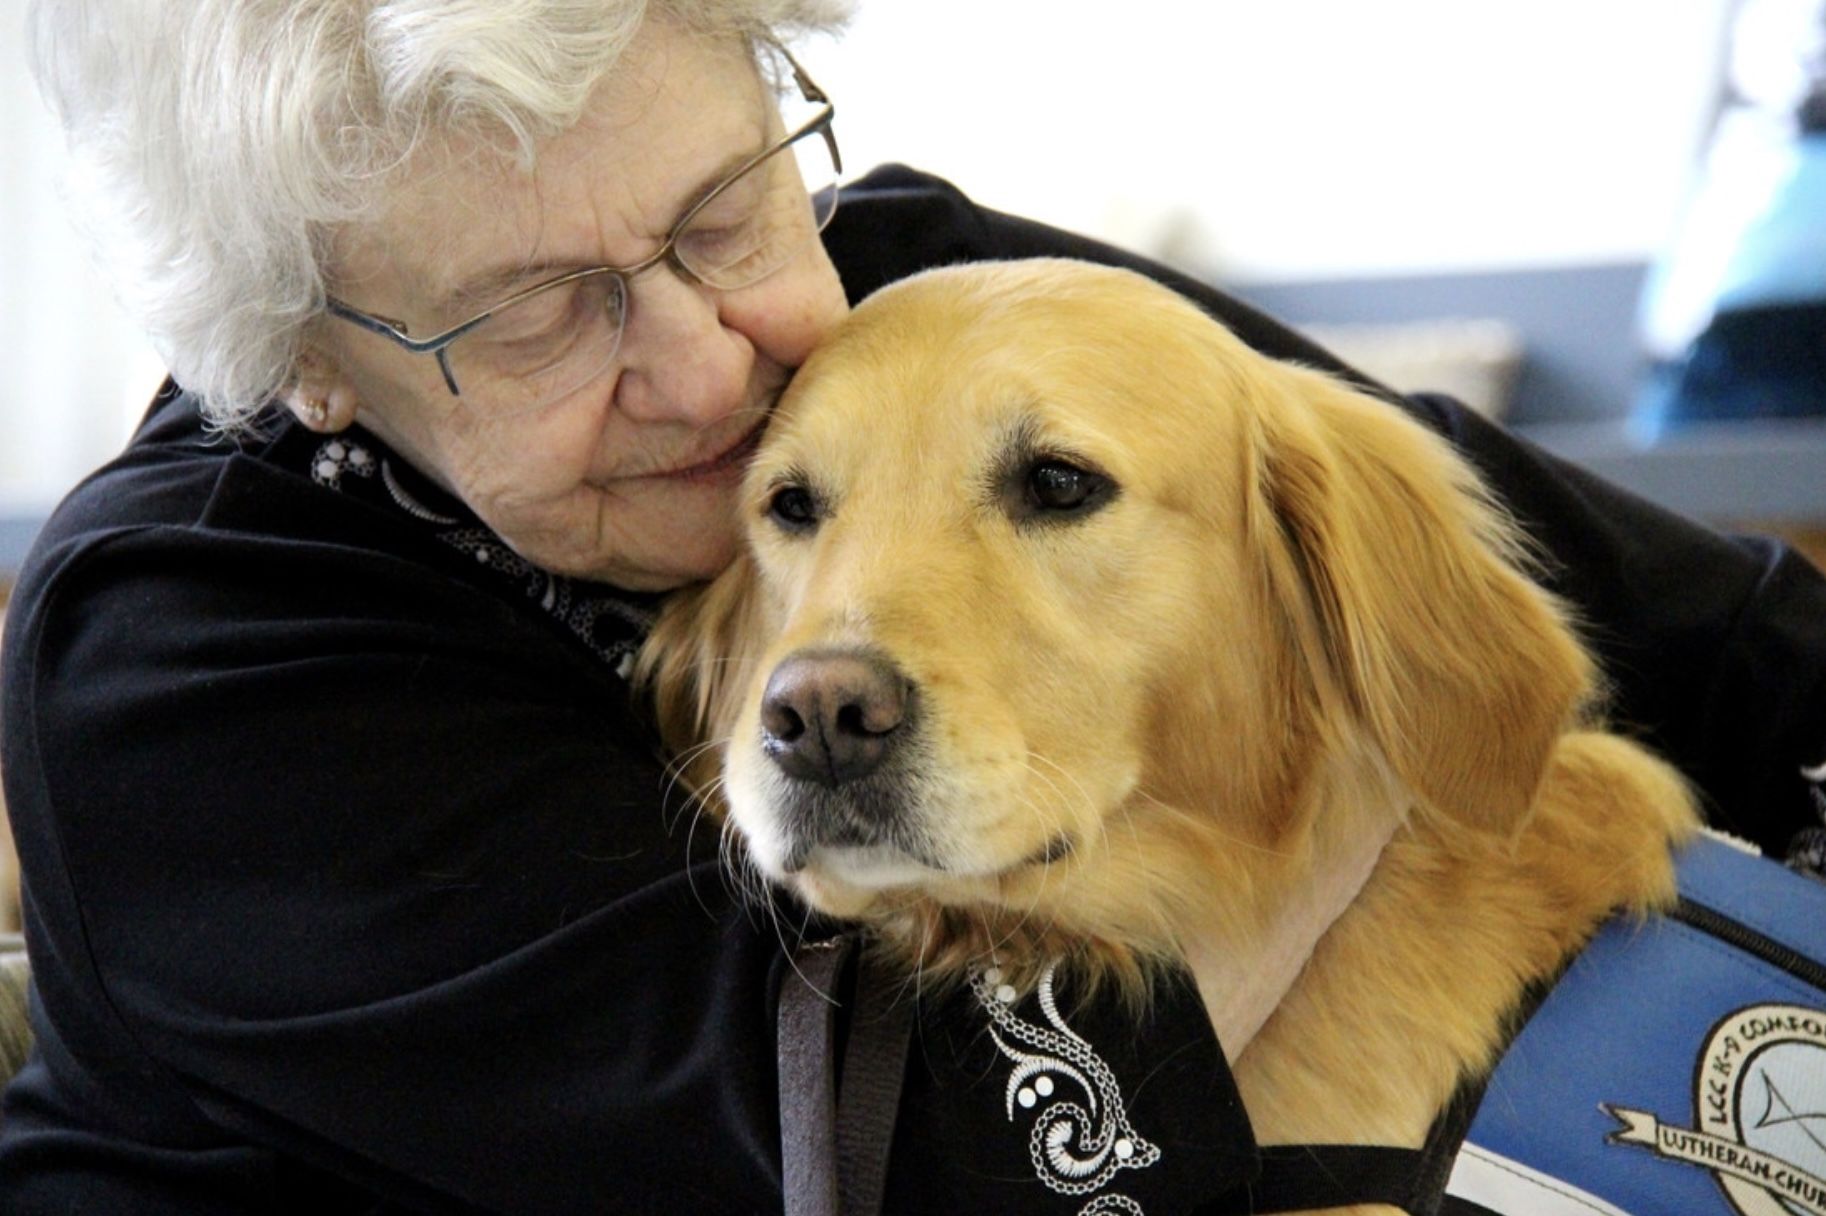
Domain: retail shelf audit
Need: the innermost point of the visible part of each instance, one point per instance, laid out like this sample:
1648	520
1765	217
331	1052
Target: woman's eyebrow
490	286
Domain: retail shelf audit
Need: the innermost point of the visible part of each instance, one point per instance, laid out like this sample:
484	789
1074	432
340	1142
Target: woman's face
631	479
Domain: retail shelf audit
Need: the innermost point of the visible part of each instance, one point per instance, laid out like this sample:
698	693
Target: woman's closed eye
740	234
540	328
719	250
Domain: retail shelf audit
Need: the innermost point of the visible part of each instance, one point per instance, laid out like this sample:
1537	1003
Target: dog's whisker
723	863
805	923
780	936
1077	786
691	877
696	800
1094	813
928	926
1011	932
729	864
747	883
1051	826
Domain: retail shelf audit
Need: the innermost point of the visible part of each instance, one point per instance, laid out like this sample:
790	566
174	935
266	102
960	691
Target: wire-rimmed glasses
546	341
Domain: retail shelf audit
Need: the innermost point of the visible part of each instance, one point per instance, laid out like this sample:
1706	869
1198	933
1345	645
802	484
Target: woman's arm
344	874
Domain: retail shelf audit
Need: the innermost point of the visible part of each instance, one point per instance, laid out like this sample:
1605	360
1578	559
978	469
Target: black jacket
354	883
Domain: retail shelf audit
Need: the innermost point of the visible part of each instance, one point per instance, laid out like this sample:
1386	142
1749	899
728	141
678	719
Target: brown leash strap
874	1065
808	1091
834	1150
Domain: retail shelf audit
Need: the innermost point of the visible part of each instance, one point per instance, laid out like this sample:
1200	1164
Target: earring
316	412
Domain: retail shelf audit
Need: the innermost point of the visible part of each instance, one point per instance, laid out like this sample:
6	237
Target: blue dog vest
1678	1067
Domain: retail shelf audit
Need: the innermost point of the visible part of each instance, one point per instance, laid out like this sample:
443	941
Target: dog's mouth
879	862
871	867
862	823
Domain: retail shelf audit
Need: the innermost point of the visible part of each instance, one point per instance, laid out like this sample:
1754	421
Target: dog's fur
1288	616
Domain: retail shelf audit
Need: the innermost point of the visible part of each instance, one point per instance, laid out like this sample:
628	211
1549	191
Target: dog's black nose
830	716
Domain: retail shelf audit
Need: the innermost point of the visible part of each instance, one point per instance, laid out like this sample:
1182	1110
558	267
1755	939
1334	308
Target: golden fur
1298	618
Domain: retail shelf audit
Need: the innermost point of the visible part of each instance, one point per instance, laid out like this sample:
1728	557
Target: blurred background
1538	205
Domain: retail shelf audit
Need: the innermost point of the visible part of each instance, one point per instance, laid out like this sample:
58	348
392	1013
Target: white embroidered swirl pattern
1076	1148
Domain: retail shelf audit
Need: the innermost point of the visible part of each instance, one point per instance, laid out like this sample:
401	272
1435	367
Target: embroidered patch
336	457
1760	1097
1076	1148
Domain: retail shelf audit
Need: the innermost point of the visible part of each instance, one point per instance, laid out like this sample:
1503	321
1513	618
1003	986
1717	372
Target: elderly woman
352	879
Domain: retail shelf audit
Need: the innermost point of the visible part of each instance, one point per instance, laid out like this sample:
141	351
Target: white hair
216	144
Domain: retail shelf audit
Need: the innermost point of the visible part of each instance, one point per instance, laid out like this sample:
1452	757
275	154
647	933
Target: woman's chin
651	550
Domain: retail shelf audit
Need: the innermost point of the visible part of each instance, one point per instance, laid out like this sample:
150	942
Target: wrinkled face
1002	549
632	478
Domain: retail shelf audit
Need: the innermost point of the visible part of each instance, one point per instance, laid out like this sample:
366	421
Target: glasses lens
536	350
763	219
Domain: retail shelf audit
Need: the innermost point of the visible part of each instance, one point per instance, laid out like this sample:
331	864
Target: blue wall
1577	324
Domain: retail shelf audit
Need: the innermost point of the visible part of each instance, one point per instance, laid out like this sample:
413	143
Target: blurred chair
1734	315
9	859
9	876
15	1031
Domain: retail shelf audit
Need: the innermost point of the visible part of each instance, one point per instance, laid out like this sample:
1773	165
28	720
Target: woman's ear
319	394
1404	587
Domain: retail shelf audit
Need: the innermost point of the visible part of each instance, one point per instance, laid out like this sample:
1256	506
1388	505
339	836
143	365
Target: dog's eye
1053	485
794	508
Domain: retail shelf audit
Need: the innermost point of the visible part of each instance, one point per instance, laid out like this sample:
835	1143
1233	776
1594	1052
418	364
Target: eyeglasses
544	342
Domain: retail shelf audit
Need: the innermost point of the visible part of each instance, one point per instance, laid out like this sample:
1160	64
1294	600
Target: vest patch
1760	1112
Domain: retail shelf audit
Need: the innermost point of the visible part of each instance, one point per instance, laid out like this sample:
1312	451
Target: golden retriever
1071	627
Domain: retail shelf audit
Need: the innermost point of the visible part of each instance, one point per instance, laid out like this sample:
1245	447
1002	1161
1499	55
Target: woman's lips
733	457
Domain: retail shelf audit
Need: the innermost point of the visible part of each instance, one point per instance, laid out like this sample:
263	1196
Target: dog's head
1063	608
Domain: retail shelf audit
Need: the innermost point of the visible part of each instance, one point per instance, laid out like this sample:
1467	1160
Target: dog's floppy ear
1405	594
697	662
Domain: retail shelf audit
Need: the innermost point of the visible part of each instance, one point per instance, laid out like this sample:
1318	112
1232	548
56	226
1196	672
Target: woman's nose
680	362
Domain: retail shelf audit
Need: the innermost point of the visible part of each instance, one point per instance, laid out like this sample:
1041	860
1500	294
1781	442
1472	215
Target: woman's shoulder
189	532
217	660
179	486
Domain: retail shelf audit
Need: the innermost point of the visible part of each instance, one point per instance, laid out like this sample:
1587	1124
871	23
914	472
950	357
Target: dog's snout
832	716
